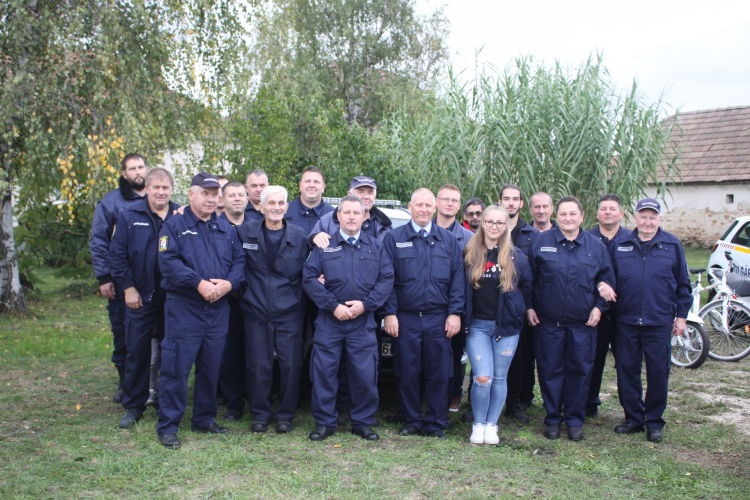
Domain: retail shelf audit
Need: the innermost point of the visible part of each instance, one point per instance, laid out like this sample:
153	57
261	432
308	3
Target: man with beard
521	373
306	210
473	210
541	206
135	269
130	191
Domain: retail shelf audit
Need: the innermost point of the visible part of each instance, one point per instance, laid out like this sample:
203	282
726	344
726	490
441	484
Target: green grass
57	356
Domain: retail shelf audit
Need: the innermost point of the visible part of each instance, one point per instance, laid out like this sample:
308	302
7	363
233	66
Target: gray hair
159	173
257	173
423	190
273	190
351	197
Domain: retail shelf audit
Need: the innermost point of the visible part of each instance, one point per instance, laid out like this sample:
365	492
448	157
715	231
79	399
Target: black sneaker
628	428
552	431
132	416
516	414
366	433
213	428
408	430
118	395
169	441
259	426
436	434
575	433
654	435
284	426
320	433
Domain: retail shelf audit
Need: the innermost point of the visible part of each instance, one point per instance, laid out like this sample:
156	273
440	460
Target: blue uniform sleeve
173	269
684	292
236	274
606	274
315	289
118	254
383	286
457	291
525	279
101	233
389	247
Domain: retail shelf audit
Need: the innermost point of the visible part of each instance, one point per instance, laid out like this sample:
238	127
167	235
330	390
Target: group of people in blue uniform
230	293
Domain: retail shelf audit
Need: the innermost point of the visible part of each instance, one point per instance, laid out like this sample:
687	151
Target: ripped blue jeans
490	359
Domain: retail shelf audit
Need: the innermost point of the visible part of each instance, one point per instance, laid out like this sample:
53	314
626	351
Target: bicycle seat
740	285
696	270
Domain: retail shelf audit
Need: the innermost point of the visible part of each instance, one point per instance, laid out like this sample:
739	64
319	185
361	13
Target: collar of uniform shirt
562	237
193	219
303	209
416	227
346	237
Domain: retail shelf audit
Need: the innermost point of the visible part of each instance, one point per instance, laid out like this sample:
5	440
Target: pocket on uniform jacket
168	358
587	270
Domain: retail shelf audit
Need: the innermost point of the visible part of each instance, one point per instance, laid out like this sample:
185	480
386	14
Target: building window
730	198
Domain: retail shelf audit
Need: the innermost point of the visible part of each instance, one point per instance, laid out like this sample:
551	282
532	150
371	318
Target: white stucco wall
711	196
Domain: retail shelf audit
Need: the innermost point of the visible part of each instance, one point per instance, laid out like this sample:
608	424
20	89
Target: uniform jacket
251	213
523	235
273	294
511	306
595	231
566	275
134	248
377	226
462	235
105	217
191	250
652	289
362	272
306	218
429	272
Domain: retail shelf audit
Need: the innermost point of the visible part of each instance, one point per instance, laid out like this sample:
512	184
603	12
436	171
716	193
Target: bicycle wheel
690	350
727	324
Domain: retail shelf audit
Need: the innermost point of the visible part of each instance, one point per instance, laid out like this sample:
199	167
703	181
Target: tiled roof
714	145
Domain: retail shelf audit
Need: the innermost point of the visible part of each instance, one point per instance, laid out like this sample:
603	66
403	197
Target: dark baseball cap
205	180
648	203
362	180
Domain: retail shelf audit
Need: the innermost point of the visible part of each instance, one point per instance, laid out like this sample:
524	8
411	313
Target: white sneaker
477	434
490	434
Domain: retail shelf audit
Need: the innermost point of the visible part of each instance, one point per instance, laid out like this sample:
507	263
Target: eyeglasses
473	214
450	200
490	223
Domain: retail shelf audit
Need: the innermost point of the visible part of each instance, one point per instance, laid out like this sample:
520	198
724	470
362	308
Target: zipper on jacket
210	250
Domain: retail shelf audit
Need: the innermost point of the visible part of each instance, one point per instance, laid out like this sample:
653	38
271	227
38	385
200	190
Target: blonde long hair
475	254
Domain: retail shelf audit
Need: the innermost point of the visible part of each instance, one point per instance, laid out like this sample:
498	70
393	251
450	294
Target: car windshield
729	230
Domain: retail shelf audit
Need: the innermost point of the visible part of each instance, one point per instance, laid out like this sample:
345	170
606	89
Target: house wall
699	214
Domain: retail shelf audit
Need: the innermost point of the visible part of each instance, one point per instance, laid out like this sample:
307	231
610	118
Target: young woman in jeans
498	294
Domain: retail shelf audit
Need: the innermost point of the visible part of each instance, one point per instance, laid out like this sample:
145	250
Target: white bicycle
692	348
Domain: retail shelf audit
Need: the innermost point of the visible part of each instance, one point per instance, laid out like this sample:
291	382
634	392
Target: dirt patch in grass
738	414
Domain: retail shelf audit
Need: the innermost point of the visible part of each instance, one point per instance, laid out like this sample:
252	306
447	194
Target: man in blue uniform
423	313
275	252
200	258
521	375
653	300
568	265
134	266
233	372
541	206
256	182
131	189
609	214
358	279
306	210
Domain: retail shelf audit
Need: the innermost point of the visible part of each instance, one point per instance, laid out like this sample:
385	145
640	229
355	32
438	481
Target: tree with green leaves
83	82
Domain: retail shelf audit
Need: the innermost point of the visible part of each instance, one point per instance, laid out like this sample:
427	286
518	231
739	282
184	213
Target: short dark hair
473	201
232	184
256	172
511	186
131	156
314	170
610	197
159	173
350	197
568	199
222	178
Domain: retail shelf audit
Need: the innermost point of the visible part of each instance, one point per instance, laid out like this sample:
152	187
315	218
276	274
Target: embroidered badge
163	243
549	249
405	245
141	224
250	246
332	249
625	249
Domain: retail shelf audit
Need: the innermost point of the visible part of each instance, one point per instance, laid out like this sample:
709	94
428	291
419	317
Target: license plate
385	349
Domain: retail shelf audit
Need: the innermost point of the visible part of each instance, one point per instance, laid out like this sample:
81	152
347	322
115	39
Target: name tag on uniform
549	249
404	245
624	249
141	224
189	232
250	246
332	249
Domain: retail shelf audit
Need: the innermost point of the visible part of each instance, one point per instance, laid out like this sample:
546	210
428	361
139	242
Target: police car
736	241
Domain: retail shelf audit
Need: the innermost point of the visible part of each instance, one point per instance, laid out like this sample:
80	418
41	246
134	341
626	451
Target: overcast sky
696	53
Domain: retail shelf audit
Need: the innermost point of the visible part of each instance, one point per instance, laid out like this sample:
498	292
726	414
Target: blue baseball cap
205	180
362	180
648	203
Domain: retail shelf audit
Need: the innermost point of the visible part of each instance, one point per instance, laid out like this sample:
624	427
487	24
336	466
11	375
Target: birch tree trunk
11	293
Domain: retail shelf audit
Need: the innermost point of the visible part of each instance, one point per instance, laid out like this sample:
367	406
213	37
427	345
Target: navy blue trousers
521	375
116	310
605	336
139	327
565	358
233	374
634	343
261	338
422	345
193	335
358	339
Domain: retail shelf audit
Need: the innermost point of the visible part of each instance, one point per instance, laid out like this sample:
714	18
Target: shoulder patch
404	245
250	246
549	249
625	249
332	249
163	243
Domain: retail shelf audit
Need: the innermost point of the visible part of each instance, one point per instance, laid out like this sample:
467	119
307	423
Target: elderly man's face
351	217
366	194
203	201
422	208
647	221
275	207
